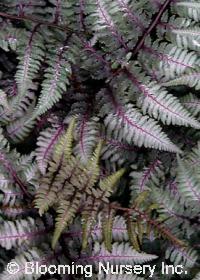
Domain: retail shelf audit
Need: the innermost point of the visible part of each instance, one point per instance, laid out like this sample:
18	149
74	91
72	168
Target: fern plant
99	136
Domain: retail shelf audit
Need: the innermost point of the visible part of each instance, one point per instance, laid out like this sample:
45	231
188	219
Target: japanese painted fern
99	136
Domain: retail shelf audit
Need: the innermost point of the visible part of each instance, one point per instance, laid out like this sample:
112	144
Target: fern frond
92	169
186	257
14	234
21	128
188	9
122	253
32	255
110	182
4	145
87	133
119	230
187	37
193	157
161	105
31	53
103	23
132	233
171	60
52	184
188	184
56	78
191	102
107	225
191	79
144	180
4	100
87	221
66	14
10	38
133	13
94	160
80	184
63	148
36	8
103	86
140	130
45	145
66	212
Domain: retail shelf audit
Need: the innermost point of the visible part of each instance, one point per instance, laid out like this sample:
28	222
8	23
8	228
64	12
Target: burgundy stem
13	173
33	19
151	27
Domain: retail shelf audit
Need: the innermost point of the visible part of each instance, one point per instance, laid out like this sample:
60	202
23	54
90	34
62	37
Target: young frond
63	148
66	213
106	185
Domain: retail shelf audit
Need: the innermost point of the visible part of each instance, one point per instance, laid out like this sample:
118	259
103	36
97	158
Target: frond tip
64	146
122	253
